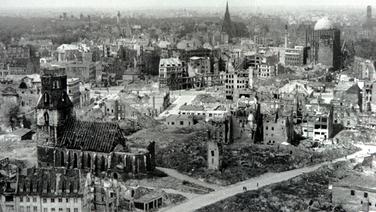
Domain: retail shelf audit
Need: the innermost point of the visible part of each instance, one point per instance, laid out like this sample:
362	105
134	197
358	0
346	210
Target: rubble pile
162	135
184	156
308	192
240	164
361	136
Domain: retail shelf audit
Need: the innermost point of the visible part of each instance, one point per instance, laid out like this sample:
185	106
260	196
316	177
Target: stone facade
41	190
115	164
277	129
94	147
324	47
179	121
214	155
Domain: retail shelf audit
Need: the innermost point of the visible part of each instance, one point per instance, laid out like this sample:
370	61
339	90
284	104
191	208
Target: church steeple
227	24
54	106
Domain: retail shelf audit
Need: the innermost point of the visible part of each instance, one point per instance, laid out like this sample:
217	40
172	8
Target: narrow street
251	184
177	175
182	97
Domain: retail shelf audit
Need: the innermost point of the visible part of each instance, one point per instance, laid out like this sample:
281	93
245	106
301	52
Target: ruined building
43	189
323	44
90	146
215	150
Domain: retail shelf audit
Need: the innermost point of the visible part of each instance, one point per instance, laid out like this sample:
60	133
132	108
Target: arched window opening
46	118
23	85
83	161
96	164
75	165
46	98
69	160
62	163
103	164
89	161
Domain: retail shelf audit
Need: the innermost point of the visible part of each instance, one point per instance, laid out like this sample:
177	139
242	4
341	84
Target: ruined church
96	147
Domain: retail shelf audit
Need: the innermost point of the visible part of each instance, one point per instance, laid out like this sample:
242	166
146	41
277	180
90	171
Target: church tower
54	106
227	26
118	18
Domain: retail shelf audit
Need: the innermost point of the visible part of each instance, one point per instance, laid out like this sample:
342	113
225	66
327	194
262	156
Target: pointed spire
227	24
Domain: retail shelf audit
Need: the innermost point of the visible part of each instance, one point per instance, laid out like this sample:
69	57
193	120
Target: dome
324	24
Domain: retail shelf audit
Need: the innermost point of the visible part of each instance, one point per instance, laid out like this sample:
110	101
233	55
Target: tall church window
62	162
46	98
46	118
75	162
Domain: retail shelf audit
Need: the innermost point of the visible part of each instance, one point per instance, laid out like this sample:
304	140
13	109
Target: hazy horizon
176	4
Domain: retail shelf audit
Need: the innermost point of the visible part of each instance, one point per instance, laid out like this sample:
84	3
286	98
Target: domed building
324	24
324	44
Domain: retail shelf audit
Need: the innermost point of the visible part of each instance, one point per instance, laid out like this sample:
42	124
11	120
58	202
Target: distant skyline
133	4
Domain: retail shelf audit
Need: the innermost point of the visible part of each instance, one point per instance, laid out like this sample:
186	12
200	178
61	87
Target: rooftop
324	24
192	107
170	62
21	132
91	136
49	182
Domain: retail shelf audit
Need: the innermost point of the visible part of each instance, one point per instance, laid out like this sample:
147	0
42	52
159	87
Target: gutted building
89	146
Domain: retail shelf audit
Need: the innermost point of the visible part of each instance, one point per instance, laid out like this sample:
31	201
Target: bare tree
10	112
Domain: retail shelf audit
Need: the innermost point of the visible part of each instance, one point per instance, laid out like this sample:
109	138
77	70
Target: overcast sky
174	3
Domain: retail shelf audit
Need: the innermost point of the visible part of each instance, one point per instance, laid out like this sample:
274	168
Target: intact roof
21	132
296	86
70	47
353	89
35	77
91	136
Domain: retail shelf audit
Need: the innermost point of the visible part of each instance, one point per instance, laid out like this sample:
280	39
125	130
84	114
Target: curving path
251	184
180	176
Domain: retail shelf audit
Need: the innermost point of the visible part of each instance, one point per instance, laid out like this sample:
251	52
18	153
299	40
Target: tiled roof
91	136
